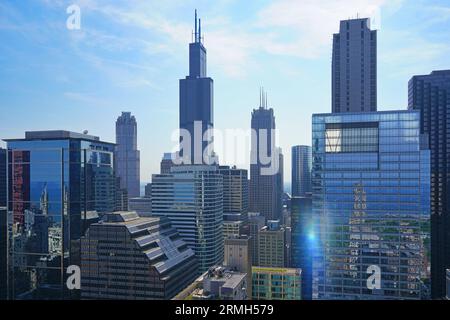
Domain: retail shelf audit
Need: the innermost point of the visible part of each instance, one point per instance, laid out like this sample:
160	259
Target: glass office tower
55	180
192	198
371	205
302	240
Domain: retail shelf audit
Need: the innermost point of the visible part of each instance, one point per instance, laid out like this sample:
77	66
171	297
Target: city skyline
363	214
102	70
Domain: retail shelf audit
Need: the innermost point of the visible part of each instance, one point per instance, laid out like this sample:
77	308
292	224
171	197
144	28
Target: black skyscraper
196	99
265	189
2	177
431	95
3	220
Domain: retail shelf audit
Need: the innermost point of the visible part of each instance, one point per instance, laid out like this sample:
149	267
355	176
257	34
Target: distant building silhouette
301	170
141	205
166	163
148	190
265	191
127	154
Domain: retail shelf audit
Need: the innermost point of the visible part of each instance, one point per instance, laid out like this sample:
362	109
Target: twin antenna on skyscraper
262	98
198	32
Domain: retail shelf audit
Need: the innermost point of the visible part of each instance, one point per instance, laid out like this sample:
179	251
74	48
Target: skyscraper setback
127	154
354	67
431	95
146	260
196	104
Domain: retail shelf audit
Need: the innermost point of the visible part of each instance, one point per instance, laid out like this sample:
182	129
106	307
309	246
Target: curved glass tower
192	198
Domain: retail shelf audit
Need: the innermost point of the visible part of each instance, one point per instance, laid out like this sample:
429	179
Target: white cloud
311	23
294	28
285	27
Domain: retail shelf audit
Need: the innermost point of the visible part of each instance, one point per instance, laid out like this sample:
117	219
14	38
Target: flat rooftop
290	271
56	135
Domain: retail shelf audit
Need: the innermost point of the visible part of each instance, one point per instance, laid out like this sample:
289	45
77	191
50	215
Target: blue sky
129	55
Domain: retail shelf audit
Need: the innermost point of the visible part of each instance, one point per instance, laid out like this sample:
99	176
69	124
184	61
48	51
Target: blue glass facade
371	206
302	238
53	184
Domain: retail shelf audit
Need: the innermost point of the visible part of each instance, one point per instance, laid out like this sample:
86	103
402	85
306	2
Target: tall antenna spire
195	32
266	100
199	30
261	97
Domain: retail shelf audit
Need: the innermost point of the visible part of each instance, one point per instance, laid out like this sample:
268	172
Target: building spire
195	32
260	97
266	100
199	30
263	99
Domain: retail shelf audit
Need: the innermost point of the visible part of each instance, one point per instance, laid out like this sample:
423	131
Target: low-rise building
238	257
276	283
218	283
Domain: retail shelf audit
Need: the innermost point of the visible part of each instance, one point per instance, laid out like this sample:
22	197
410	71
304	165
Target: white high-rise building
192	198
